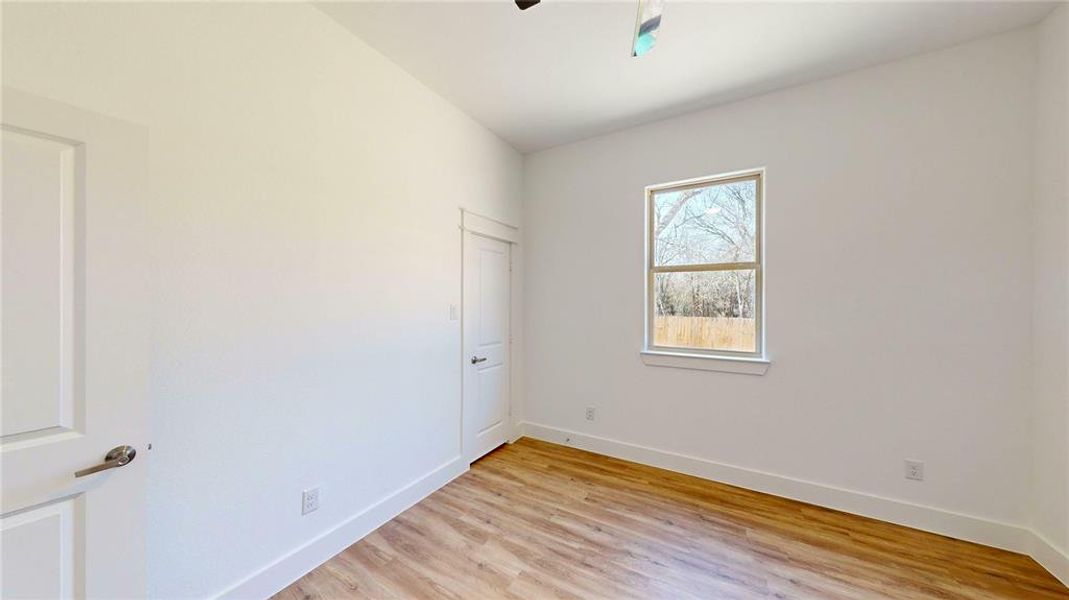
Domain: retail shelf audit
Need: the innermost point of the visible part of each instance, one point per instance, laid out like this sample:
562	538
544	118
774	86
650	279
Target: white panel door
73	351
486	345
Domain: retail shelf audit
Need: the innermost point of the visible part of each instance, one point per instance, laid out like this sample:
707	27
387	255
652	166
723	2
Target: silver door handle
475	360
117	457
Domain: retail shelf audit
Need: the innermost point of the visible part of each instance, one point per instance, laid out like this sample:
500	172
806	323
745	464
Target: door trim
489	227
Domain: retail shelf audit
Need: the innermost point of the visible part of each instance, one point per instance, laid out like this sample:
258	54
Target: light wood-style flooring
537	520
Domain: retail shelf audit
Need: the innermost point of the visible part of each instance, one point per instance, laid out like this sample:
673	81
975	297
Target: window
704	266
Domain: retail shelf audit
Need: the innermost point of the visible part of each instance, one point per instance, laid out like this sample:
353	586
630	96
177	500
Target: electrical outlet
915	470
310	501
591	413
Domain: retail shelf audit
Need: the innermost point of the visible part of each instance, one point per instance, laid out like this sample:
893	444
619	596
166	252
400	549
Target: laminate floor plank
536	520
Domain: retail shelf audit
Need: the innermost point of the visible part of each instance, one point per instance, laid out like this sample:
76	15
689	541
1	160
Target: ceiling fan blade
649	21
525	4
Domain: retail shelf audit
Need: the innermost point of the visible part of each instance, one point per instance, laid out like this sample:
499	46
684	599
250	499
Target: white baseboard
290	567
1047	554
926	518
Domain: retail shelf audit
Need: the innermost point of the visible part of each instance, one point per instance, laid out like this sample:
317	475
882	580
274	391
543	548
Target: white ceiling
562	71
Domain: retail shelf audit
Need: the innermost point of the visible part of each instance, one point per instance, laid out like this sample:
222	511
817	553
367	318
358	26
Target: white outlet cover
915	470
309	501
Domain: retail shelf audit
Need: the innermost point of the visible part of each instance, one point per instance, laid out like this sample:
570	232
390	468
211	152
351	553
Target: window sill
703	362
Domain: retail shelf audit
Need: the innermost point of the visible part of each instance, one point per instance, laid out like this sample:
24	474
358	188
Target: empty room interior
520	299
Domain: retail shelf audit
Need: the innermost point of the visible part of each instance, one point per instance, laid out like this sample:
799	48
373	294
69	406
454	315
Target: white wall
1050	497
898	284
306	195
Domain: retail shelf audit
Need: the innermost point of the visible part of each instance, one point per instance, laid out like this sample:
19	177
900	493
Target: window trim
757	175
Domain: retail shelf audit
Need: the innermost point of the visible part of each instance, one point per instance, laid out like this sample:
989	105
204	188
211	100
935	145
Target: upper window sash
707	222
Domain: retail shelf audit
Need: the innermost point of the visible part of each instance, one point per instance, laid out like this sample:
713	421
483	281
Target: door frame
487	227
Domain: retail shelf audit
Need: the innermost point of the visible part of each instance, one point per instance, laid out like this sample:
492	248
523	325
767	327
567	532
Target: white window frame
684	357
